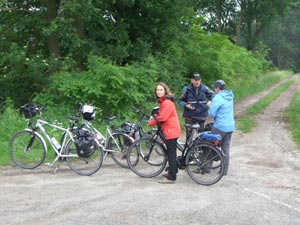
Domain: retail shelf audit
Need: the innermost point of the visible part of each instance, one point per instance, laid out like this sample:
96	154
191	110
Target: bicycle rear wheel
85	166
119	145
27	150
201	161
146	158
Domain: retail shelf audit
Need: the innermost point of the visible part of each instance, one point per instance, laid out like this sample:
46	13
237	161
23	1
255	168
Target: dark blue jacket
197	97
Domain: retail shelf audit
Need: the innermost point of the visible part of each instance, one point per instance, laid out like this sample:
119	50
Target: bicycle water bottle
99	139
55	143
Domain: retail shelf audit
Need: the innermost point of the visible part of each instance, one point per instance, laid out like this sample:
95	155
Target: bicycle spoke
205	164
26	150
146	159
119	145
84	165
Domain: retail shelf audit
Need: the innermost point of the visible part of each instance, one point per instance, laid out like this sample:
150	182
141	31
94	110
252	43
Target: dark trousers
226	139
172	158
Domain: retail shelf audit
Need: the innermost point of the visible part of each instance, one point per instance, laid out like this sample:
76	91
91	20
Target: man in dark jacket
194	99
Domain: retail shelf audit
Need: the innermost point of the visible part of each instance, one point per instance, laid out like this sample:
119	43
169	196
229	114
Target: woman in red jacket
169	123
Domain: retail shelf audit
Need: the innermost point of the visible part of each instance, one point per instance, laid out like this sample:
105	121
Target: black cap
195	76
219	83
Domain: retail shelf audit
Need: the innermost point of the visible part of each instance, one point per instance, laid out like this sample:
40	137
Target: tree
242	20
282	37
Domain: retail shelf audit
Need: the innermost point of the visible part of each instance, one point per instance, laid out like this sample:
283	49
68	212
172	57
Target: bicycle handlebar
136	110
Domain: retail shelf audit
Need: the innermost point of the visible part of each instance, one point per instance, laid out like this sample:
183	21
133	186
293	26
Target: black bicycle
201	156
136	130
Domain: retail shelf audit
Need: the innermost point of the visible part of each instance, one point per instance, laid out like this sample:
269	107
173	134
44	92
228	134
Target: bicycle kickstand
51	165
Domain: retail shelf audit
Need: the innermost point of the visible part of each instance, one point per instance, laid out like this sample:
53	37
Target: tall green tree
43	37
283	39
242	20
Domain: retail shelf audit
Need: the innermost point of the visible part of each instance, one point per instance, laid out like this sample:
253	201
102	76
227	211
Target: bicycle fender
40	136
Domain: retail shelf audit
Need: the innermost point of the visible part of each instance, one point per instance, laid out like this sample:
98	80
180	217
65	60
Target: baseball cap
219	83
195	76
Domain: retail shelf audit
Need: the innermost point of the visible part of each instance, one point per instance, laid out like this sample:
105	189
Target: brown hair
168	93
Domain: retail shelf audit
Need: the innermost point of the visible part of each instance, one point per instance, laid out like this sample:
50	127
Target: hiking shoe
166	181
197	170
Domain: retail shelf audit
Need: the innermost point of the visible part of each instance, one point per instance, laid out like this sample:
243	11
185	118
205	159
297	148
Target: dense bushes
114	88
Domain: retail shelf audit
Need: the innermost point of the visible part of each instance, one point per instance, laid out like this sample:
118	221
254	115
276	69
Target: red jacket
168	119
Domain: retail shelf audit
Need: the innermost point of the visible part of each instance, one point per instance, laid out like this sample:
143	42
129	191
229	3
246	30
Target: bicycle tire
84	166
217	163
27	149
119	144
200	160
141	163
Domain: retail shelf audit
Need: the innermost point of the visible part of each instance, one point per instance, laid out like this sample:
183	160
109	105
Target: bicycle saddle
193	126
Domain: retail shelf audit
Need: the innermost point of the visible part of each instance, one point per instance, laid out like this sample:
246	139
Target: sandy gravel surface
262	187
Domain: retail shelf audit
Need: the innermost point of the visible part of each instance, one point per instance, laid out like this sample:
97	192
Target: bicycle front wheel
27	149
201	161
84	166
118	145
146	158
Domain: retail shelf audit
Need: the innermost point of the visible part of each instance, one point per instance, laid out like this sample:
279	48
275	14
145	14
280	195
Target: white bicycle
114	142
28	148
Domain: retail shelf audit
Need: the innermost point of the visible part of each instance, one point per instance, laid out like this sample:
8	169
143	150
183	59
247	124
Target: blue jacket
221	110
197	98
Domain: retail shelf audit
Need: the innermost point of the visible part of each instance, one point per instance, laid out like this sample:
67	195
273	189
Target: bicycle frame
59	152
181	147
108	134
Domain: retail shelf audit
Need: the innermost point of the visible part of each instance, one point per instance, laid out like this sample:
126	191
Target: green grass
10	122
292	113
246	122
258	84
263	103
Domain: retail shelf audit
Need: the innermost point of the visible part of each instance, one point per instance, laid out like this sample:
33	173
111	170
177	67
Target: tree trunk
238	30
239	25
219	15
52	40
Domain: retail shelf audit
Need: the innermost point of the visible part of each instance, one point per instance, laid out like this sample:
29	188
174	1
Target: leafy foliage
109	87
111	53
282	36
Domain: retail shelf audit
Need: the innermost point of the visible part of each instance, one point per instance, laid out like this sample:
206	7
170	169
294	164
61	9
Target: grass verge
256	85
292	113
246	122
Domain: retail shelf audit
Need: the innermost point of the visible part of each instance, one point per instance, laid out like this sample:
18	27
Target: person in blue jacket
221	111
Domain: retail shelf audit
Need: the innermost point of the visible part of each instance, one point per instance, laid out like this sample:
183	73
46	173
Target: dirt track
262	187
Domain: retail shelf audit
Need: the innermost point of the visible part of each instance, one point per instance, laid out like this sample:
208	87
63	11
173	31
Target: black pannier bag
84	142
130	129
